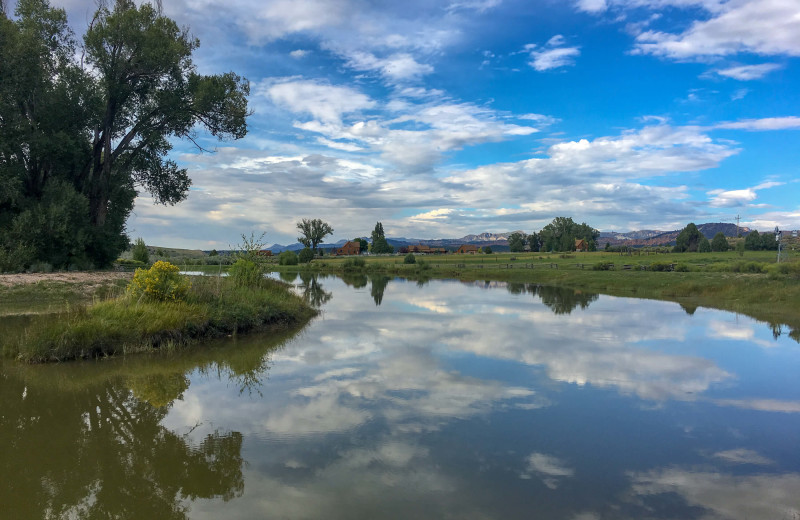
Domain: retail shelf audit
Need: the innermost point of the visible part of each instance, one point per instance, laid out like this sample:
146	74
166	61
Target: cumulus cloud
765	27
552	55
325	102
731	198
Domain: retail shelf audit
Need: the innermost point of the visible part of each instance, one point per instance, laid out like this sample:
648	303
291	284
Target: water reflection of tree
287	276
98	451
354	279
561	300
313	292
379	283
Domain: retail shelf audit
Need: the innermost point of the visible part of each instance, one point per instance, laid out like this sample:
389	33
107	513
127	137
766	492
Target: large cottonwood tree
82	129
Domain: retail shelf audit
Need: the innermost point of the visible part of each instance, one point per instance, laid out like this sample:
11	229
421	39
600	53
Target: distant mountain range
660	238
499	241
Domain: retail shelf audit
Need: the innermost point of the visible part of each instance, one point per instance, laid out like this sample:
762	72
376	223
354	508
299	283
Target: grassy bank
752	284
212	307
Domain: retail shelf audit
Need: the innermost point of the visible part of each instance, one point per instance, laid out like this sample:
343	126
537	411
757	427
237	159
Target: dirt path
87	279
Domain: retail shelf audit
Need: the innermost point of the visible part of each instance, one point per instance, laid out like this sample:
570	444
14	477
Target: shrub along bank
161	310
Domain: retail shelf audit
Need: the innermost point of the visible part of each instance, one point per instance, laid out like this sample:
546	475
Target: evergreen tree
688	239
379	244
719	242
752	241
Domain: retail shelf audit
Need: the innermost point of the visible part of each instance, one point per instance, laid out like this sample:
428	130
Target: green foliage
748	267
287	258
660	266
487	250
162	282
250	247
354	262
752	241
306	255
362	244
603	266
682	268
740	247
313	232
379	244
140	253
76	141
246	273
719	242
688	239
213	253
704	246
410	259
213	307
516	242
561	233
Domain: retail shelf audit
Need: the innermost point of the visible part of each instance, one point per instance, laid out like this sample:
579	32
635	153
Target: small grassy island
162	309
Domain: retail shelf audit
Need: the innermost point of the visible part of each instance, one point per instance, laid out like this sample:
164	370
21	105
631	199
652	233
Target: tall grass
213	307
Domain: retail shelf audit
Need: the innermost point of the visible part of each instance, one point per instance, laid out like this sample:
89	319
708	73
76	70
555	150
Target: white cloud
552	55
748	72
432	215
743	456
299	53
732	198
767	123
325	102
736	497
549	468
591	6
765	27
395	68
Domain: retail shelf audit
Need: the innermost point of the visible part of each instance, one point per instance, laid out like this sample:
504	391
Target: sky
446	118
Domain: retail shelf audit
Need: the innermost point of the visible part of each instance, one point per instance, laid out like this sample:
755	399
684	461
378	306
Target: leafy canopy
313	232
81	132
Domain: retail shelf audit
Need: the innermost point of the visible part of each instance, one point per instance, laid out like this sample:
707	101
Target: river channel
407	399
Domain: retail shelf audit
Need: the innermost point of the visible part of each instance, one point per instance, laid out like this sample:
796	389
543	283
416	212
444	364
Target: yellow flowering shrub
162	282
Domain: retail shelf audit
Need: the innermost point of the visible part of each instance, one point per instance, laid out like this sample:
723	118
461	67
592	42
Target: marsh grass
213	307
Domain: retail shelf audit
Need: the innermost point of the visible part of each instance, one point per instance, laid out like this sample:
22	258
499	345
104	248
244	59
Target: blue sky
445	118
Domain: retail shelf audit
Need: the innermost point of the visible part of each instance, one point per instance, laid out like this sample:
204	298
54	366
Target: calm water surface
410	400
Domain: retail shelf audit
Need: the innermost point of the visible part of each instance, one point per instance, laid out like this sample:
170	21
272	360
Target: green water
434	399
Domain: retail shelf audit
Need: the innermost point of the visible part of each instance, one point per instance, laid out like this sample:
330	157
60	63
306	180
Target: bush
140	253
287	258
660	266
354	263
410	259
306	255
246	273
603	266
682	268
162	282
749	267
788	268
422	265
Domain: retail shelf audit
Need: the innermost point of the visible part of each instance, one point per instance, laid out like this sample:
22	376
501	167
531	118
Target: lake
430	399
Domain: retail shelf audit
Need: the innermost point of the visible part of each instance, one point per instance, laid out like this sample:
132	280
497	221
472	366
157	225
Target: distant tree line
559	235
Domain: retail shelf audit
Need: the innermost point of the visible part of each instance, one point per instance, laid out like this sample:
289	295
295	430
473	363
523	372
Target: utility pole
778	234
737	225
